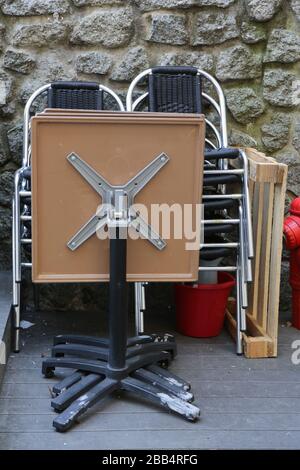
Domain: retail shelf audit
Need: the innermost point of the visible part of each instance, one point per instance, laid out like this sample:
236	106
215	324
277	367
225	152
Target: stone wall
251	46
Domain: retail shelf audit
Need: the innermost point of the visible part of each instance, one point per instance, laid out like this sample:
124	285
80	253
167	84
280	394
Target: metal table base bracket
114	196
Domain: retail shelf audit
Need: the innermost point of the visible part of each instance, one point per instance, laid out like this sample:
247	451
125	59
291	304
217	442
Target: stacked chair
227	219
66	95
227	222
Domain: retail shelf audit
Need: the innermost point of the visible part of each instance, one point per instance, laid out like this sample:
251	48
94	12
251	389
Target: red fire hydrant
292	239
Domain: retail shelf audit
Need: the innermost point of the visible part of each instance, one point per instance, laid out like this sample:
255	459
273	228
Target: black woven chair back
75	95
174	90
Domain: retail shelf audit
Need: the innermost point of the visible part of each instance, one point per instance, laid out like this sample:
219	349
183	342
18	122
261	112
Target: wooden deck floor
245	404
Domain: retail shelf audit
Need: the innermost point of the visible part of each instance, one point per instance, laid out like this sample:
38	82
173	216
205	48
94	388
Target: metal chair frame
244	248
21	191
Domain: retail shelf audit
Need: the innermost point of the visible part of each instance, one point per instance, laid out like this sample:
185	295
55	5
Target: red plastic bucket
200	309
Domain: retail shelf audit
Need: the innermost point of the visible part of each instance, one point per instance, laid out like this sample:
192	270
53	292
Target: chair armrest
222	153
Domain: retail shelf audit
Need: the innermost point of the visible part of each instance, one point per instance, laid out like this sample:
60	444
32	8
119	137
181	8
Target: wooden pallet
267	187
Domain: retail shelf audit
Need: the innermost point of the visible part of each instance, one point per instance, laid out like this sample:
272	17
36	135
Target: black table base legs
94	383
102	366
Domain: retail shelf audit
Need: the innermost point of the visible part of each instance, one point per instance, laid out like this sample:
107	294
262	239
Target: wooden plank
97	422
194	438
257	215
197	362
24	380
251	191
202	388
275	262
265	252
259	347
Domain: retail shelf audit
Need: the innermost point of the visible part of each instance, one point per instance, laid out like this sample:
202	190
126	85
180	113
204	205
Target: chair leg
13	254
36	296
247	203
239	294
139	317
243	262
239	346
16	314
16	285
143	305
16	311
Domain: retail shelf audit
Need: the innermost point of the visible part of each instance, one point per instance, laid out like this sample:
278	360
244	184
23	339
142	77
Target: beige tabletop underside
118	146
